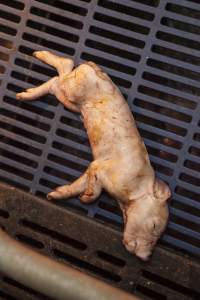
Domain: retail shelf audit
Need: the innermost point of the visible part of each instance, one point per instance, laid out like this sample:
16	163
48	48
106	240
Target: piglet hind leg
34	93
63	66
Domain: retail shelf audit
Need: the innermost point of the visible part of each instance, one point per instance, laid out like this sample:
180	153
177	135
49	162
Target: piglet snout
135	247
130	245
143	255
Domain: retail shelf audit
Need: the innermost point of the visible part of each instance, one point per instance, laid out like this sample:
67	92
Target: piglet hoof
49	196
54	195
39	54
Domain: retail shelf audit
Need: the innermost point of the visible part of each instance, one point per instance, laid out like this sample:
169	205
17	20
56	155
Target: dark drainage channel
151	49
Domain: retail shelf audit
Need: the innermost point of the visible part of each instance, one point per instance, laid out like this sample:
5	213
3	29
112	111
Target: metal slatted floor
151	49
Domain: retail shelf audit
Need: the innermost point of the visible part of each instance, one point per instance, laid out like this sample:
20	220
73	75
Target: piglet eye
154	227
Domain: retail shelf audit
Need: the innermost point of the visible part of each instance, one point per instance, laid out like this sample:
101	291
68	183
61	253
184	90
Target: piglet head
146	219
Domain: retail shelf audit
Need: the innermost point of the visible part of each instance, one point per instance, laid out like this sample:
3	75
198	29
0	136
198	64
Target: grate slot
86	266
4	56
4	214
190	179
122	38
29	241
82	158
192	165
183	26
5	43
12	283
9	16
121	23
62	176
7	29
66	6
187	193
162	110
194	151
68	163
5	177
153	3
33	110
171	83
53	234
183	10
178	55
149	293
21	143
18	158
189	235
64	20
62	138
128	10
34	39
35	67
18	130
109	219
112	50
11	167
170	284
110	206
65	174
13	3
162	154
52	31
159	139
173	69
182	219
31	163
172	38
70	150
171	95
23	119
22	77
111	259
158	123
73	122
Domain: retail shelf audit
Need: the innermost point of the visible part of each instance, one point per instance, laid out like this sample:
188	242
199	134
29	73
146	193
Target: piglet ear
161	190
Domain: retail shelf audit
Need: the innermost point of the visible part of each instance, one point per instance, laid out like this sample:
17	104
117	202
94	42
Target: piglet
121	165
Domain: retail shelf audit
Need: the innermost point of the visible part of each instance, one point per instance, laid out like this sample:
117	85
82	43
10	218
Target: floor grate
151	49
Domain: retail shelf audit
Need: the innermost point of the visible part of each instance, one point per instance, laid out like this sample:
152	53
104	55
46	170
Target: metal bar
50	277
